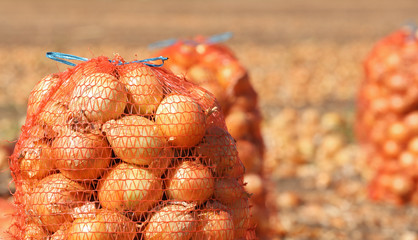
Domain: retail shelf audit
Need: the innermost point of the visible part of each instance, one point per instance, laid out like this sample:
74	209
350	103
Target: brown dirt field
299	54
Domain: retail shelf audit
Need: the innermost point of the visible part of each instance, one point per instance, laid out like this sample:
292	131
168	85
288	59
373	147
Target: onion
391	148
99	96
136	140
413	146
229	190
54	199
39	91
35	160
173	221
184	55
190	181
411	122
238	124
397	82
240	212
81	156
61	233
105	225
181	119
214	223
144	88
230	73
200	74
249	155
218	150
34	232
218	92
402	185
254	186
398	131
54	114
127	187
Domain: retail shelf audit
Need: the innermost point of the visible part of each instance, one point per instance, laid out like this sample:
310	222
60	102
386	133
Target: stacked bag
213	66
126	150
387	117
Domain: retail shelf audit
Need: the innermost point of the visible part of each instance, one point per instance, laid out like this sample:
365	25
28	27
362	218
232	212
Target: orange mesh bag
126	150
213	66
387	117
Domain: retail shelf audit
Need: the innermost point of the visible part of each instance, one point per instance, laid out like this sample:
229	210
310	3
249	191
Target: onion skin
105	225
229	190
238	124
218	150
34	232
214	223
170	222
144	88
81	156
136	140
249	155
99	96
240	212
127	187
182	120
36	161
54	198
38	92
190	181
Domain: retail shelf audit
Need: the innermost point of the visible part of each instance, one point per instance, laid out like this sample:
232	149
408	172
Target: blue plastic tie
162	44
59	57
413	28
152	59
219	37
170	42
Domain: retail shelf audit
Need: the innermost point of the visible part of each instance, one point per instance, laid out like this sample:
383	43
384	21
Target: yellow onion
81	156
181	119
214	223
218	150
39	91
172	221
189	181
54	114
240	212
136	139
33	231
54	199
144	88
105	225
127	187
238	124
254	185
99	96
35	160
61	233
229	190
249	155
200	74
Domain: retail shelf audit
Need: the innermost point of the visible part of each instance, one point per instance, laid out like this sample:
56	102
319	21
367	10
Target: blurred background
304	59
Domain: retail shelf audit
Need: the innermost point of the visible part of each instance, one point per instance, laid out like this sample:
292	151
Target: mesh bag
213	66
387	117
126	150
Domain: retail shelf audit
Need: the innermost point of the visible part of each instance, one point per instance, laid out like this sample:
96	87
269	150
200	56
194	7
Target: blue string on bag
63	57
